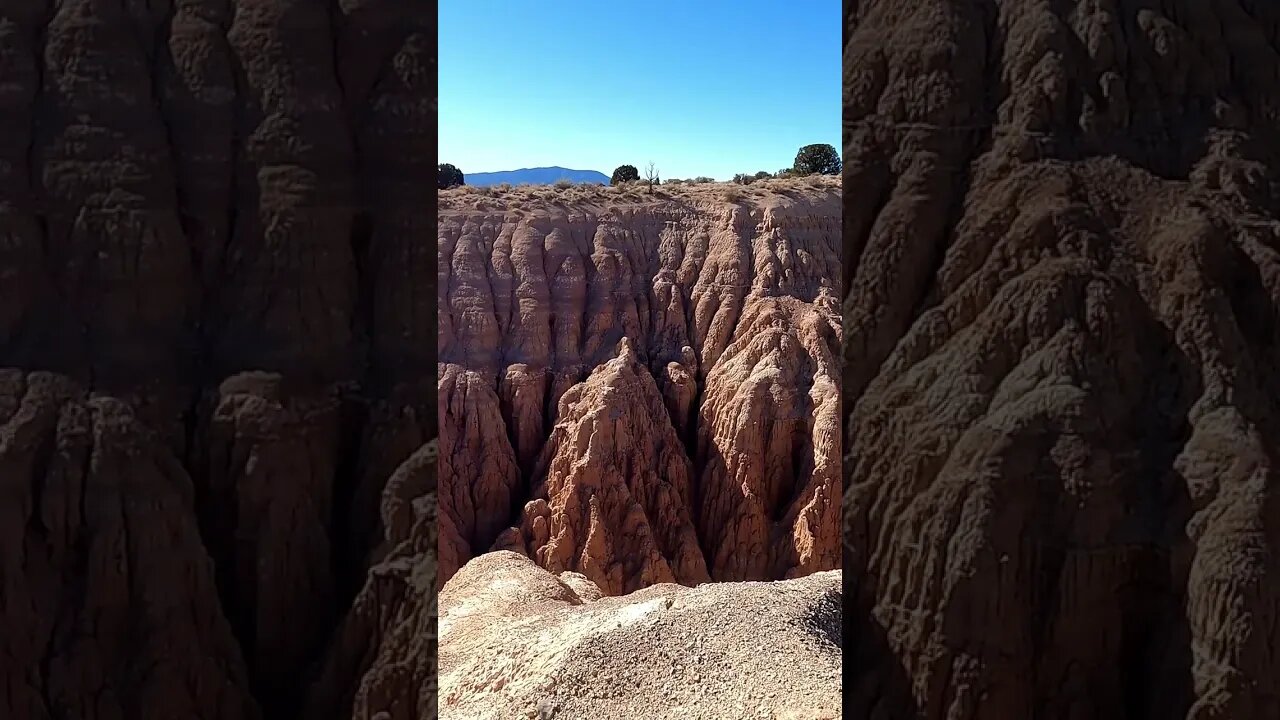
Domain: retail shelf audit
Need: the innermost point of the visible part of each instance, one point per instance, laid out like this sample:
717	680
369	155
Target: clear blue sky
700	87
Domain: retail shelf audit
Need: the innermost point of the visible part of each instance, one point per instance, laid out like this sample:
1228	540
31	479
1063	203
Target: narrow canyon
639	394
641	391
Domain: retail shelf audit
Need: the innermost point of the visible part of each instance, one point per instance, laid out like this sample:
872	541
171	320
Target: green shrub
624	173
450	176
820	159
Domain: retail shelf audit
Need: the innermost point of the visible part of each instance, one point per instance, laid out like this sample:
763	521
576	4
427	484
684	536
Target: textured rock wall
642	391
1062	279
215	309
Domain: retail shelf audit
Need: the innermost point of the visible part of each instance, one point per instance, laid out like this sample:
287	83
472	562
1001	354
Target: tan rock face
217	314
519	642
641	389
1062	285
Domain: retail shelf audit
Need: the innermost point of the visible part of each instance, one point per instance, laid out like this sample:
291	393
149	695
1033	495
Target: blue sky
700	87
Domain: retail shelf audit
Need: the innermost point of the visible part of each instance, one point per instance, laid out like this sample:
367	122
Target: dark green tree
818	159
624	173
450	176
762	175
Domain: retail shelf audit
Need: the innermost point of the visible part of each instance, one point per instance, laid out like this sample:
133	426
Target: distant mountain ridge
535	176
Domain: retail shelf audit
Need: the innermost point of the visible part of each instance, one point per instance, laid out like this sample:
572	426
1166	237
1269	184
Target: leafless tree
651	175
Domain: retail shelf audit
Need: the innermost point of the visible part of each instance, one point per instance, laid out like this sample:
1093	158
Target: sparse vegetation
651	176
818	159
450	176
529	198
624	173
562	184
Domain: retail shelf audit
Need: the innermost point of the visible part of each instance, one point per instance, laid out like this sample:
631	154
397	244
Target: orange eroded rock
651	380
615	502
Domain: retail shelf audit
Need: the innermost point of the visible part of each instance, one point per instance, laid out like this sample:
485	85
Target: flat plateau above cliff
531	198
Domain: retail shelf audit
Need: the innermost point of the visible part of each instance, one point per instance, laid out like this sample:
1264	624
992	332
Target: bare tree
651	175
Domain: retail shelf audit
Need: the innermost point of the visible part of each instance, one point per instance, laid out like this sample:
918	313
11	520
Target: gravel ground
518	642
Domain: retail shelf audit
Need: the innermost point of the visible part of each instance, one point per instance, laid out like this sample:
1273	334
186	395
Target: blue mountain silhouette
535	176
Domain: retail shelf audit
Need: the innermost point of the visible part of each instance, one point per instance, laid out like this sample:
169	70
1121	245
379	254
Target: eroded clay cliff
641	388
217	310
1062	278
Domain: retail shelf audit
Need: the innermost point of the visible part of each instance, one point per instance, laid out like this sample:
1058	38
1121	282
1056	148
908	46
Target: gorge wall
216	309
641	389
1062	411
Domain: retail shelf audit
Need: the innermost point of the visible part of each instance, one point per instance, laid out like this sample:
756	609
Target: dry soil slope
216	305
1061	342
641	388
668	652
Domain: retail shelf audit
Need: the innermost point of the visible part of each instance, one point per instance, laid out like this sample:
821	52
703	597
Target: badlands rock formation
217	303
1061	342
668	652
641	388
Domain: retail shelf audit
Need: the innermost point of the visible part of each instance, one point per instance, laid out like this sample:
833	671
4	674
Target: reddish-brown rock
617	486
267	461
109	605
383	663
217	316
641	389
1062	286
474	448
